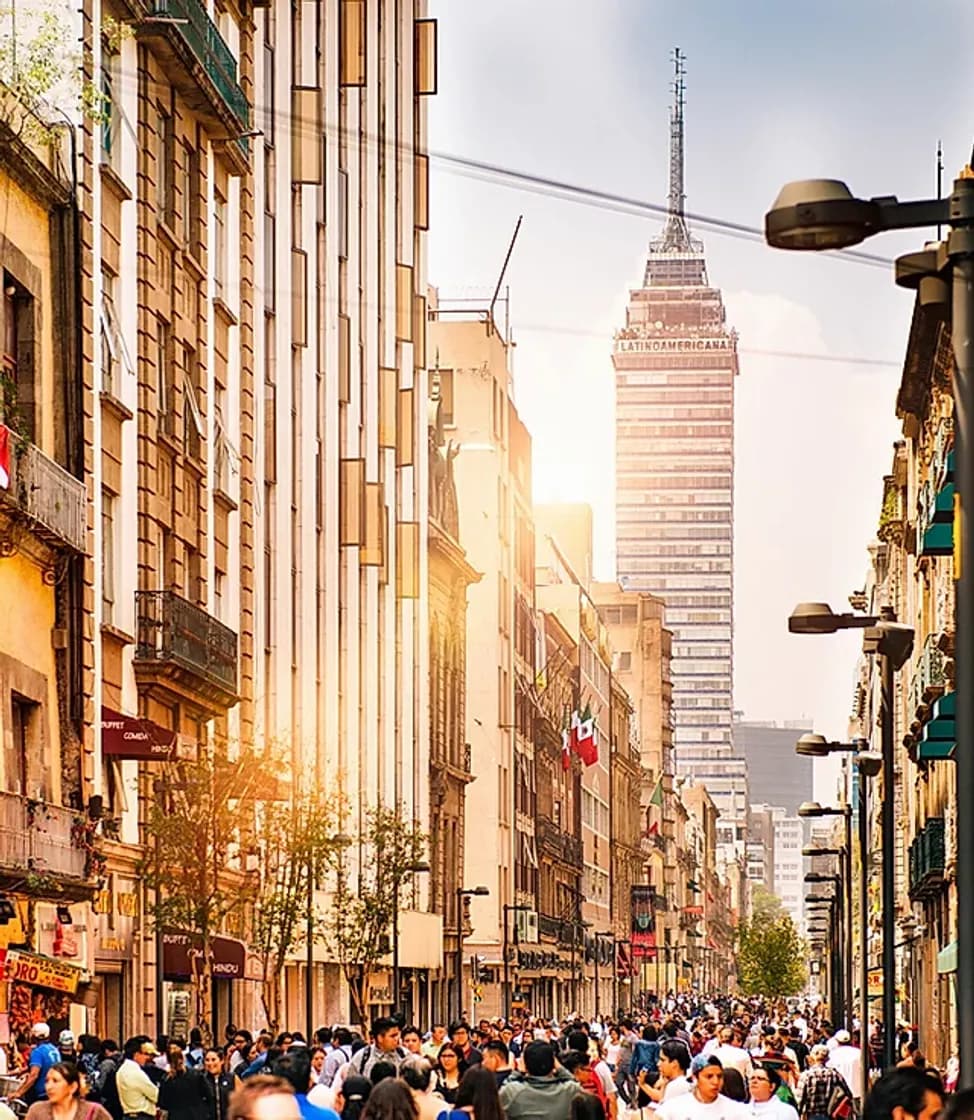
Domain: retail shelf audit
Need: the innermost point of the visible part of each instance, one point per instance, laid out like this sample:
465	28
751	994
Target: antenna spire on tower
676	235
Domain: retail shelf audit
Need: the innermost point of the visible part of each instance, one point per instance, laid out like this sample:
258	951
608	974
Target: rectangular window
299	297
191	199
342	214
373	551
405	431
388	406
165	159
219	246
425	56
421	188
404	302
164	375
108	556
351	44
307	150
351	501
193	434
23	716
270	263
407	559
111	115
344	358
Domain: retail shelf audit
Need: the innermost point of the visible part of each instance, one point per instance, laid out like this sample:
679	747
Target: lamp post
823	214
813	809
827	929
420	868
463	892
508	908
892	643
597	936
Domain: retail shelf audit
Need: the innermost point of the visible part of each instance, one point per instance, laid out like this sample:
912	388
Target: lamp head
817	214
813	618
869	762
812	746
810	809
811	850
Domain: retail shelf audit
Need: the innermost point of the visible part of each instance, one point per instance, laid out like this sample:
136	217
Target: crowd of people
685	1060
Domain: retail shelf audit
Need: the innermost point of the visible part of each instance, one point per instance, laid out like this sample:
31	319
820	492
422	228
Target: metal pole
961	250
848	915
506	1009
309	1009
459	962
596	947
863	923
889	860
395	944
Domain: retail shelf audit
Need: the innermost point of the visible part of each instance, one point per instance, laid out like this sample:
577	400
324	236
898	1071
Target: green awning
947	959
938	539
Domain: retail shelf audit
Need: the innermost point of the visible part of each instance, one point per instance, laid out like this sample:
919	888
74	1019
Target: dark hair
383	1024
495	1046
381	1070
587	1106
451	1048
734	1086
676	1050
539	1059
578	1040
410	1030
478	1090
69	1071
243	1033
323	1036
650	1032
135	1044
573	1060
417	1073
196	1037
279	1041
459	1025
390	1100
342	1036
108	1046
294	1067
961	1106
356	1092
906	1086
88	1043
213	1050
177	1063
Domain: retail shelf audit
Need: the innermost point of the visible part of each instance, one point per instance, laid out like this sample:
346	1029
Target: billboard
642	935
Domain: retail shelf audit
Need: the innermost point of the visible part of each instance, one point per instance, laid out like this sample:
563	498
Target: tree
192	861
370	879
771	958
298	841
765	906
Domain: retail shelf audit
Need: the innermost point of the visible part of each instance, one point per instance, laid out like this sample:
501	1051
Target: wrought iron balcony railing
173	632
928	679
928	859
53	501
38	839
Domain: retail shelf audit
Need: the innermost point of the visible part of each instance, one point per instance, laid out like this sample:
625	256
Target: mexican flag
4	457
587	738
568	738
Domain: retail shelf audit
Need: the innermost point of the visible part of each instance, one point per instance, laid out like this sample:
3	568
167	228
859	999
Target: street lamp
597	937
810	809
823	214
892	642
463	892
509	908
419	868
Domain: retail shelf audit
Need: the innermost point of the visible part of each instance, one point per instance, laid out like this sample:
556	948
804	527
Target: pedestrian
541	1092
847	1059
102	1087
460	1037
412	1043
182	1094
63	1100
89	1047
587	1106
137	1093
384	1047
42	1056
819	1086
390	1100
67	1047
218	1085
705	1101
902	1092
477	1097
263	1097
239	1044
195	1052
338	1056
295	1068
450	1068
417	1073
352	1097
764	1085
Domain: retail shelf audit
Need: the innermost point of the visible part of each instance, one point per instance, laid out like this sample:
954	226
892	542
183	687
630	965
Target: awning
947	959
128	737
229	957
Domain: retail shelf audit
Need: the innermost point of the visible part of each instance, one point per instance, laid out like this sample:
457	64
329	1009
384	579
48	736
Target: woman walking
182	1094
64	1100
218	1085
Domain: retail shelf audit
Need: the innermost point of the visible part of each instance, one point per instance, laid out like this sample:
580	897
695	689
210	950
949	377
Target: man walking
137	1093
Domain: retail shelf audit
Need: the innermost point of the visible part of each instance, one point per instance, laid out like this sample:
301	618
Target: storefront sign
672	345
642	935
228	957
41	972
127	737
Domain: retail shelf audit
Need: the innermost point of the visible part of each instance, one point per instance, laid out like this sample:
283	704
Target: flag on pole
567	736
657	798
4	457
587	740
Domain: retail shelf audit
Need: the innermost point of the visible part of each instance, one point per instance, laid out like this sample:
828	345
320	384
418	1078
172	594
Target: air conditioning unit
526	924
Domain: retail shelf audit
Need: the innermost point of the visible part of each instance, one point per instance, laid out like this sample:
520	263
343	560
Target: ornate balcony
40	844
181	648
52	500
928	860
928	679
558	844
202	66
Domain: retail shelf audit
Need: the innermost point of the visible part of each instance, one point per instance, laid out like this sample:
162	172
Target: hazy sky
860	90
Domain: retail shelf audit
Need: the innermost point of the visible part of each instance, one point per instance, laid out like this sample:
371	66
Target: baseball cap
65	1038
842	1036
148	1048
40	1030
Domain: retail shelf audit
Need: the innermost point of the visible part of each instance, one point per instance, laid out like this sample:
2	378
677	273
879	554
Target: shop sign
642	933
115	907
128	737
228	957
41	972
672	345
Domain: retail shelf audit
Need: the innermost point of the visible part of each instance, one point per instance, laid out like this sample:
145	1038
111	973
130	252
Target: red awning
131	737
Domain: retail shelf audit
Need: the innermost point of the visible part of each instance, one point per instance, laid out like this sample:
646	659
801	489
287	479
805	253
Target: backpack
104	1090
592	1083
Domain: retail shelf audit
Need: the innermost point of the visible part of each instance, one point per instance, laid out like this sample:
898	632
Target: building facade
675	362
776	775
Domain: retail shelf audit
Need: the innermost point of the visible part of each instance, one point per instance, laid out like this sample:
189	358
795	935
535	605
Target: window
194	575
219	246
24	714
165	159
191	199
108	554
17	400
342	214
624	661
351	45
111	114
404	302
164	374
114	353
193	434
445	379
425	44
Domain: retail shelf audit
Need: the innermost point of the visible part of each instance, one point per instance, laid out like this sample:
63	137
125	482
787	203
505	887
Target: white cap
40	1030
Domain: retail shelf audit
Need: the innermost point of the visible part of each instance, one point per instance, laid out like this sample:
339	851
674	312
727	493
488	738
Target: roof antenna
676	235
940	176
500	279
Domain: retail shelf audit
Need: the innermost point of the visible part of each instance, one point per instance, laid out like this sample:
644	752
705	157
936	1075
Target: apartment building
48	865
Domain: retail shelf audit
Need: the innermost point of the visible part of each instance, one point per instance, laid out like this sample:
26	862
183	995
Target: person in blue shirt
43	1055
295	1068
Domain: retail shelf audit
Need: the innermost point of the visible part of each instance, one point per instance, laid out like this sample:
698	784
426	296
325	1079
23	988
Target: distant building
788	881
776	775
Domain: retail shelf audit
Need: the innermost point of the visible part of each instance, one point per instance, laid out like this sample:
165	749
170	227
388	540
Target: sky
580	92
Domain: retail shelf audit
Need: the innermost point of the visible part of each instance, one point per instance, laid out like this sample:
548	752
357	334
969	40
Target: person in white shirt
705	1102
730	1054
763	1085
673	1063
846	1057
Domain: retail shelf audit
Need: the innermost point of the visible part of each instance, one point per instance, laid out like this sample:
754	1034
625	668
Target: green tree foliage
765	906
771	958
299	841
371	876
192	865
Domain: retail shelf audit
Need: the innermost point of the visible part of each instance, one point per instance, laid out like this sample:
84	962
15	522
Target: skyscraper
675	363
